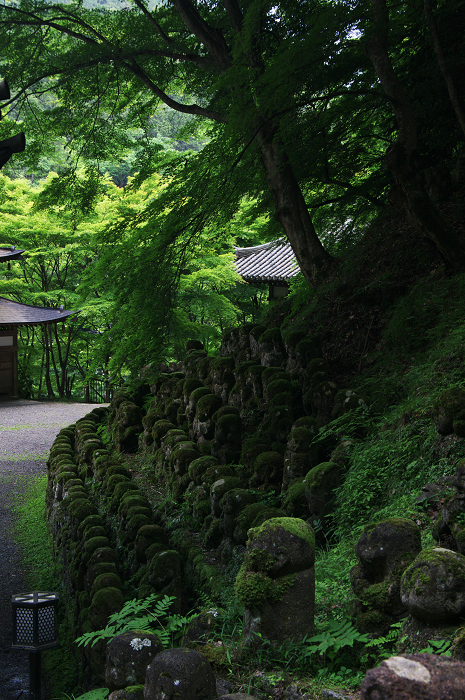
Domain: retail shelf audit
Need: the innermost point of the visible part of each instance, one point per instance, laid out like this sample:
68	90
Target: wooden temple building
271	263
12	316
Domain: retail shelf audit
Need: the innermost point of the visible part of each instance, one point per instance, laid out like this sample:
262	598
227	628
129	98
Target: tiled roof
16	314
269	262
10	254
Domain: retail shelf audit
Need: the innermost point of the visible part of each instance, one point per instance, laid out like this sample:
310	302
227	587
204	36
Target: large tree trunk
409	192
437	46
291	211
290	208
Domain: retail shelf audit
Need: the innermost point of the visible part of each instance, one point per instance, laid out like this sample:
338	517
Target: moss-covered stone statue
384	551
433	586
276	583
179	674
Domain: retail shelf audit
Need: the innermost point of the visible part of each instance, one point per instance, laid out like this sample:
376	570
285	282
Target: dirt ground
27	431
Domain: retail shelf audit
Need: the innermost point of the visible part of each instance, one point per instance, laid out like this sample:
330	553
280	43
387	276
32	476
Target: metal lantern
35	628
35	625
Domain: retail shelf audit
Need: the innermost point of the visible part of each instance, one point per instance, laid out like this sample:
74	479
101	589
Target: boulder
415	677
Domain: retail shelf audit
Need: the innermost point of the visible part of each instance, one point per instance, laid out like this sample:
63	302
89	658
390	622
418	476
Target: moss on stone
257	331
105	580
295	526
255	589
207	405
224	411
223	485
315	475
89	522
197	394
105	602
122	488
199	466
95	543
214	473
159	430
270	336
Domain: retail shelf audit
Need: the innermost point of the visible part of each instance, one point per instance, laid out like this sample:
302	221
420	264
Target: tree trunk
291	210
409	193
437	46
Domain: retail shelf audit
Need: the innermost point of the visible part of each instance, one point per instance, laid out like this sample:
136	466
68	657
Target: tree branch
211	38
178	106
152	21
234	14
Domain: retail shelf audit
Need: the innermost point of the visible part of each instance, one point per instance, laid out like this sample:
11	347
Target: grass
43	573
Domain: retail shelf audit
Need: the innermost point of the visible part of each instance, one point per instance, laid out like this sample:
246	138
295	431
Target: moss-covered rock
295	502
232	503
218	489
164	574
127	657
433	586
449	407
267	469
199	466
308	349
108	579
105	602
278	422
159	430
146	536
214	473
320	482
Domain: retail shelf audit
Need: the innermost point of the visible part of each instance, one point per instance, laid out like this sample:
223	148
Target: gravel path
27	431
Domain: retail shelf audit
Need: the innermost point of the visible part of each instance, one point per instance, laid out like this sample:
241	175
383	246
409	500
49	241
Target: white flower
213	612
137	643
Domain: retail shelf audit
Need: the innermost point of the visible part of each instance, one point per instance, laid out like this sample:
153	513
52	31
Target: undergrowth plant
150	615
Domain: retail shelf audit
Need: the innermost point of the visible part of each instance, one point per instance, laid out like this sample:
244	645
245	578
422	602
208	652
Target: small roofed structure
7	254
271	263
12	315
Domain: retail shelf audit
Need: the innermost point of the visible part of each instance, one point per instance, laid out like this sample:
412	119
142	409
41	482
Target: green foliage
441	647
96	694
149	615
335	637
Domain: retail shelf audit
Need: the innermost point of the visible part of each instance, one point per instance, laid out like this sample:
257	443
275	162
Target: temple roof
10	254
16	314
269	262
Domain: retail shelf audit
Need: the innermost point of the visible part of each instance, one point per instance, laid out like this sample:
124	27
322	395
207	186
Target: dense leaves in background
88	263
53	359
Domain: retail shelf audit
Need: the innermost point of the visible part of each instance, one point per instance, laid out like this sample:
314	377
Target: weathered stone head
276	583
127	658
384	551
179	674
433	587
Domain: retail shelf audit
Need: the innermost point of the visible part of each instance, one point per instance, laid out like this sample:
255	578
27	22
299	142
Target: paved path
27	431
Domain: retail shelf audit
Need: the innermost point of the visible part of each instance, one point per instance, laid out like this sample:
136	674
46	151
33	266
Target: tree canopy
296	107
